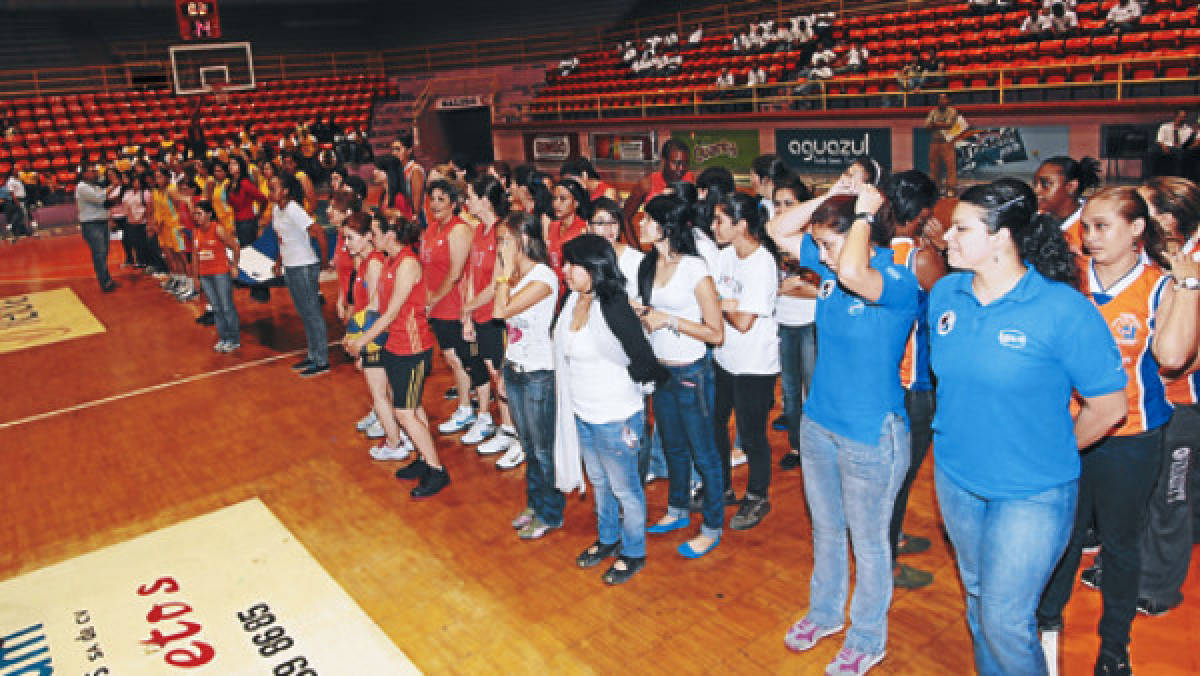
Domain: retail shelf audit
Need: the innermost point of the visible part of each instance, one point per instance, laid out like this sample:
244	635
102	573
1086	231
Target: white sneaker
385	452
499	443
221	346
737	457
366	421
480	430
375	430
462	418
513	458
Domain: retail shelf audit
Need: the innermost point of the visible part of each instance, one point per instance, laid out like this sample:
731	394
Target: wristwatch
864	216
1188	284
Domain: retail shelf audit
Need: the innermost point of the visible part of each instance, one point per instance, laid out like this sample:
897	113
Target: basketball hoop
219	95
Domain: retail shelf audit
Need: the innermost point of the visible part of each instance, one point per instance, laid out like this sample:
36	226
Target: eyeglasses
602	224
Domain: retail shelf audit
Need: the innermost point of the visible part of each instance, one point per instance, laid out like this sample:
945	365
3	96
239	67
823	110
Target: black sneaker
595	553
1091	542
912	544
315	370
790	460
696	499
907	577
302	365
751	512
629	566
1090	577
110	287
1152	608
431	483
1111	663
206	319
414	470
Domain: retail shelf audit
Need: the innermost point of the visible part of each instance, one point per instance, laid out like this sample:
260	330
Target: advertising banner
832	149
231	592
551	146
734	149
624	147
989	153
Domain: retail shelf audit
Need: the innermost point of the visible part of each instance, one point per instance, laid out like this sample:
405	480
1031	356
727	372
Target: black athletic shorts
406	374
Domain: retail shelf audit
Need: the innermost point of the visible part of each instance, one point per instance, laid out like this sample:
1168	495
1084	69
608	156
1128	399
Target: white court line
147	390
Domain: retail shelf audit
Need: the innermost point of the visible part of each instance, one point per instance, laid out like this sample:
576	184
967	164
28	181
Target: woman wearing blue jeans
854	437
680	309
601	358
526	293
1010	339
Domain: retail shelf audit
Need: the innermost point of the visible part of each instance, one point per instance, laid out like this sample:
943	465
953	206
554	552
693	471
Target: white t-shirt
1166	134
529	332
628	262
15	187
753	282
601	389
1124	13
291	226
793	311
678	298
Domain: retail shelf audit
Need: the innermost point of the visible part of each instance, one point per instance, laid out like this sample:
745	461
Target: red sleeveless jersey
557	235
435	259
481	264
409	333
360	292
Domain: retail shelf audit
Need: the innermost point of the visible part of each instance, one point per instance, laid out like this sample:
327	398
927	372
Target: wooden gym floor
114	435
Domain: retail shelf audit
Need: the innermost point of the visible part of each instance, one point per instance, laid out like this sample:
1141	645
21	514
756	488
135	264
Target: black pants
1115	484
136	234
749	398
1167	538
95	233
920	406
121	225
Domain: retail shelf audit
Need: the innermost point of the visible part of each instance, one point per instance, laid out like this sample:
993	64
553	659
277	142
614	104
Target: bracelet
501	280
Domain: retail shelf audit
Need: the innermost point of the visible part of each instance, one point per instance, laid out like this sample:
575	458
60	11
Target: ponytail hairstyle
594	254
583	202
491	189
610	207
909	193
1085	172
533	245
1178	197
1130	207
740	207
408	232
717	182
1011	204
837	214
542	201
674	219
796	185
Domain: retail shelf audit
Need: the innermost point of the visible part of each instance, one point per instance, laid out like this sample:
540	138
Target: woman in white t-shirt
602	358
680	308
526	294
748	360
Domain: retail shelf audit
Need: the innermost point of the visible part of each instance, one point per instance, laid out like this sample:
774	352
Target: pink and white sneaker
804	635
850	662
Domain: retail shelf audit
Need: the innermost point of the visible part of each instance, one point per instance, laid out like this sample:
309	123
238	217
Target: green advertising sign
733	149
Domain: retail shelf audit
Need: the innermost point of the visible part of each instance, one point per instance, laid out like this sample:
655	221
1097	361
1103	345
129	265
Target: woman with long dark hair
408	352
572	209
854	436
680	309
211	272
1010	339
1154	324
1060	184
601	360
525	297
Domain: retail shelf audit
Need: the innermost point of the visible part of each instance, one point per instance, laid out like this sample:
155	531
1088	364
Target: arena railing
1112	81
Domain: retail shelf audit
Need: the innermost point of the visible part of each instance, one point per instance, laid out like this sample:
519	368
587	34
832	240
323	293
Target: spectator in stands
822	27
1063	22
93	221
568	65
783	38
697	35
817	75
1031	26
1171	146
630	53
824	53
12	200
981	7
674	64
1122	17
944	123
855	60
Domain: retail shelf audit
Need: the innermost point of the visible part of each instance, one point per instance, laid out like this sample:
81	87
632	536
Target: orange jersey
914	364
1183	390
1129	308
1072	230
209	251
409	333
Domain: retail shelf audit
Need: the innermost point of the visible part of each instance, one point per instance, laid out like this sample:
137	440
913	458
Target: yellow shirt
221	206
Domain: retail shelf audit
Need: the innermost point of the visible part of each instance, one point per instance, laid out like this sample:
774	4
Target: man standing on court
93	223
944	124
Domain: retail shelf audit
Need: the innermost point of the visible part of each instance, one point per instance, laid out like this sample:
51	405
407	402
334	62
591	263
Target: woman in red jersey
210	271
572	209
408	353
1154	322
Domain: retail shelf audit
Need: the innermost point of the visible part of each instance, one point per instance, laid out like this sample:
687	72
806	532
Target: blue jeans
1006	551
610	452
849	484
303	282
531	401
683	412
95	233
219	290
797	357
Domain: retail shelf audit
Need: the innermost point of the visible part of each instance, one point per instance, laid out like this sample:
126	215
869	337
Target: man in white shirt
696	36
13	204
856	58
90	203
1122	17
1172	142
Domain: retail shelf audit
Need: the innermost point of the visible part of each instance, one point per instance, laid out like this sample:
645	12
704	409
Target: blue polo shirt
856	381
1006	371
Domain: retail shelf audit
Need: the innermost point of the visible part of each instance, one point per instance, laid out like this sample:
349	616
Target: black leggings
749	398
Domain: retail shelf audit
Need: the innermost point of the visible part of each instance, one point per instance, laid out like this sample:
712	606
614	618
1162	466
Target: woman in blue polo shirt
854	436
1011	338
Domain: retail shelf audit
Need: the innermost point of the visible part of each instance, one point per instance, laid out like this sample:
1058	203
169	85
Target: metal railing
1110	81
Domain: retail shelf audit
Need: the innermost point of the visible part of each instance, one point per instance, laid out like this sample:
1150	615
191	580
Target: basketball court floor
168	506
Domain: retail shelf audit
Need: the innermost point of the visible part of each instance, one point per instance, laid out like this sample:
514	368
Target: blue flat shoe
660	528
685	550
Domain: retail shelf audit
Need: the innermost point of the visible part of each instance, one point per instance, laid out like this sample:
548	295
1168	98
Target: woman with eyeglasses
680	309
608	222
572	209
